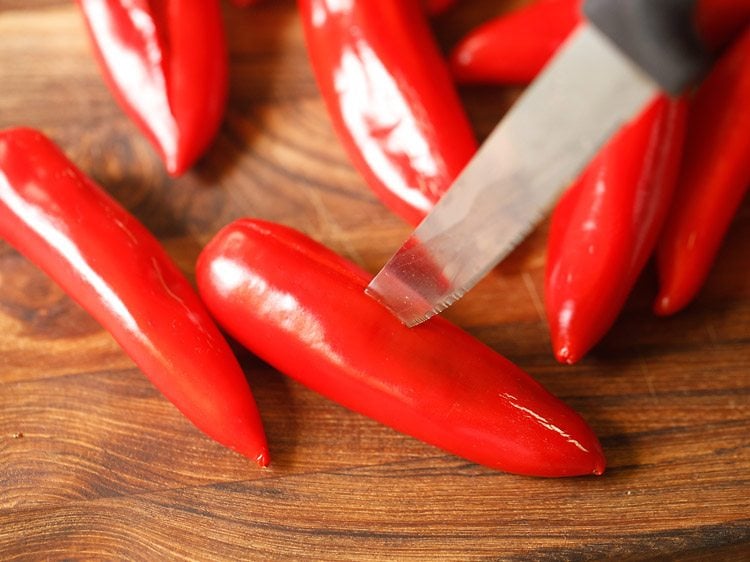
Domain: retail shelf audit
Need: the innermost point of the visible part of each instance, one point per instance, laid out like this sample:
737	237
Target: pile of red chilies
668	183
671	180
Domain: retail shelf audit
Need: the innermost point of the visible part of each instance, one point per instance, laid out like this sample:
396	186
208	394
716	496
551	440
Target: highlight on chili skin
303	309
390	98
112	266
714	179
165	62
606	225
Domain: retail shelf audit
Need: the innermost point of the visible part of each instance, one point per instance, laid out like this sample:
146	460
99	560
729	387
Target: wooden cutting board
94	463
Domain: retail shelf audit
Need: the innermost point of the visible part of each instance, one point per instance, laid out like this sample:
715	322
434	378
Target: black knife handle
658	35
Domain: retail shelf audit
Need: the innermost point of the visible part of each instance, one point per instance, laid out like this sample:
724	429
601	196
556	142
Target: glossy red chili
390	97
166	64
433	7
514	47
115	269
606	225
303	309
714	179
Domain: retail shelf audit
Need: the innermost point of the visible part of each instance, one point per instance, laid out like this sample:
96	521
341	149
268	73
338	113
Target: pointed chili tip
263	458
565	355
458	62
176	167
600	464
664	305
253	450
599	461
463	65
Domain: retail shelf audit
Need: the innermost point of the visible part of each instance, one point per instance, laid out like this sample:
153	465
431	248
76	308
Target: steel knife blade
612	65
584	94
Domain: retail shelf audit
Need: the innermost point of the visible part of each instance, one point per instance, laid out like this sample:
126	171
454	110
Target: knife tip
401	300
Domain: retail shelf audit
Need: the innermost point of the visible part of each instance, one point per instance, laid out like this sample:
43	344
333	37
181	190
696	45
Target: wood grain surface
95	464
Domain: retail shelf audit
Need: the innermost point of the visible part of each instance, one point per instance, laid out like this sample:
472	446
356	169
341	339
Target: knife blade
586	92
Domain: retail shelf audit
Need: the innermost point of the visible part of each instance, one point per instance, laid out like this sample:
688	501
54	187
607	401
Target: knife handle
660	36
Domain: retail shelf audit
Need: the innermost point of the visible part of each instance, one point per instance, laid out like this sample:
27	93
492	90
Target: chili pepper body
165	61
303	309
606	225
115	269
433	7
390	97
514	47
714	178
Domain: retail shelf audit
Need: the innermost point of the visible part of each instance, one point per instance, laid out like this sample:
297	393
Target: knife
622	55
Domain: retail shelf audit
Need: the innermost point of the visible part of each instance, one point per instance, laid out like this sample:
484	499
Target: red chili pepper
390	97
166	64
113	267
433	7
715	177
303	309
606	225
514	47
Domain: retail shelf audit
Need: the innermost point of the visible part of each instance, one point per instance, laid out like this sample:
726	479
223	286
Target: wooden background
95	464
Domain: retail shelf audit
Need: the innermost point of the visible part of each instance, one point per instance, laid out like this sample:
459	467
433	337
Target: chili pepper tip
252	452
263	458
565	355
664	305
599	460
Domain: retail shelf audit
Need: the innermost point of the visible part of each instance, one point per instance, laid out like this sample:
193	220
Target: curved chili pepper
165	61
514	47
715	177
303	309
115	269
390	97
606	225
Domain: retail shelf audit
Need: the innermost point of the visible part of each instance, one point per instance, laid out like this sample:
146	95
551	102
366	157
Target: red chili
114	268
303	309
433	7
606	225
514	47
165	61
715	177
390	97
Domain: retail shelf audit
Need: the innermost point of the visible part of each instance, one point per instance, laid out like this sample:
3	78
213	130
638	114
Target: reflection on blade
585	94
